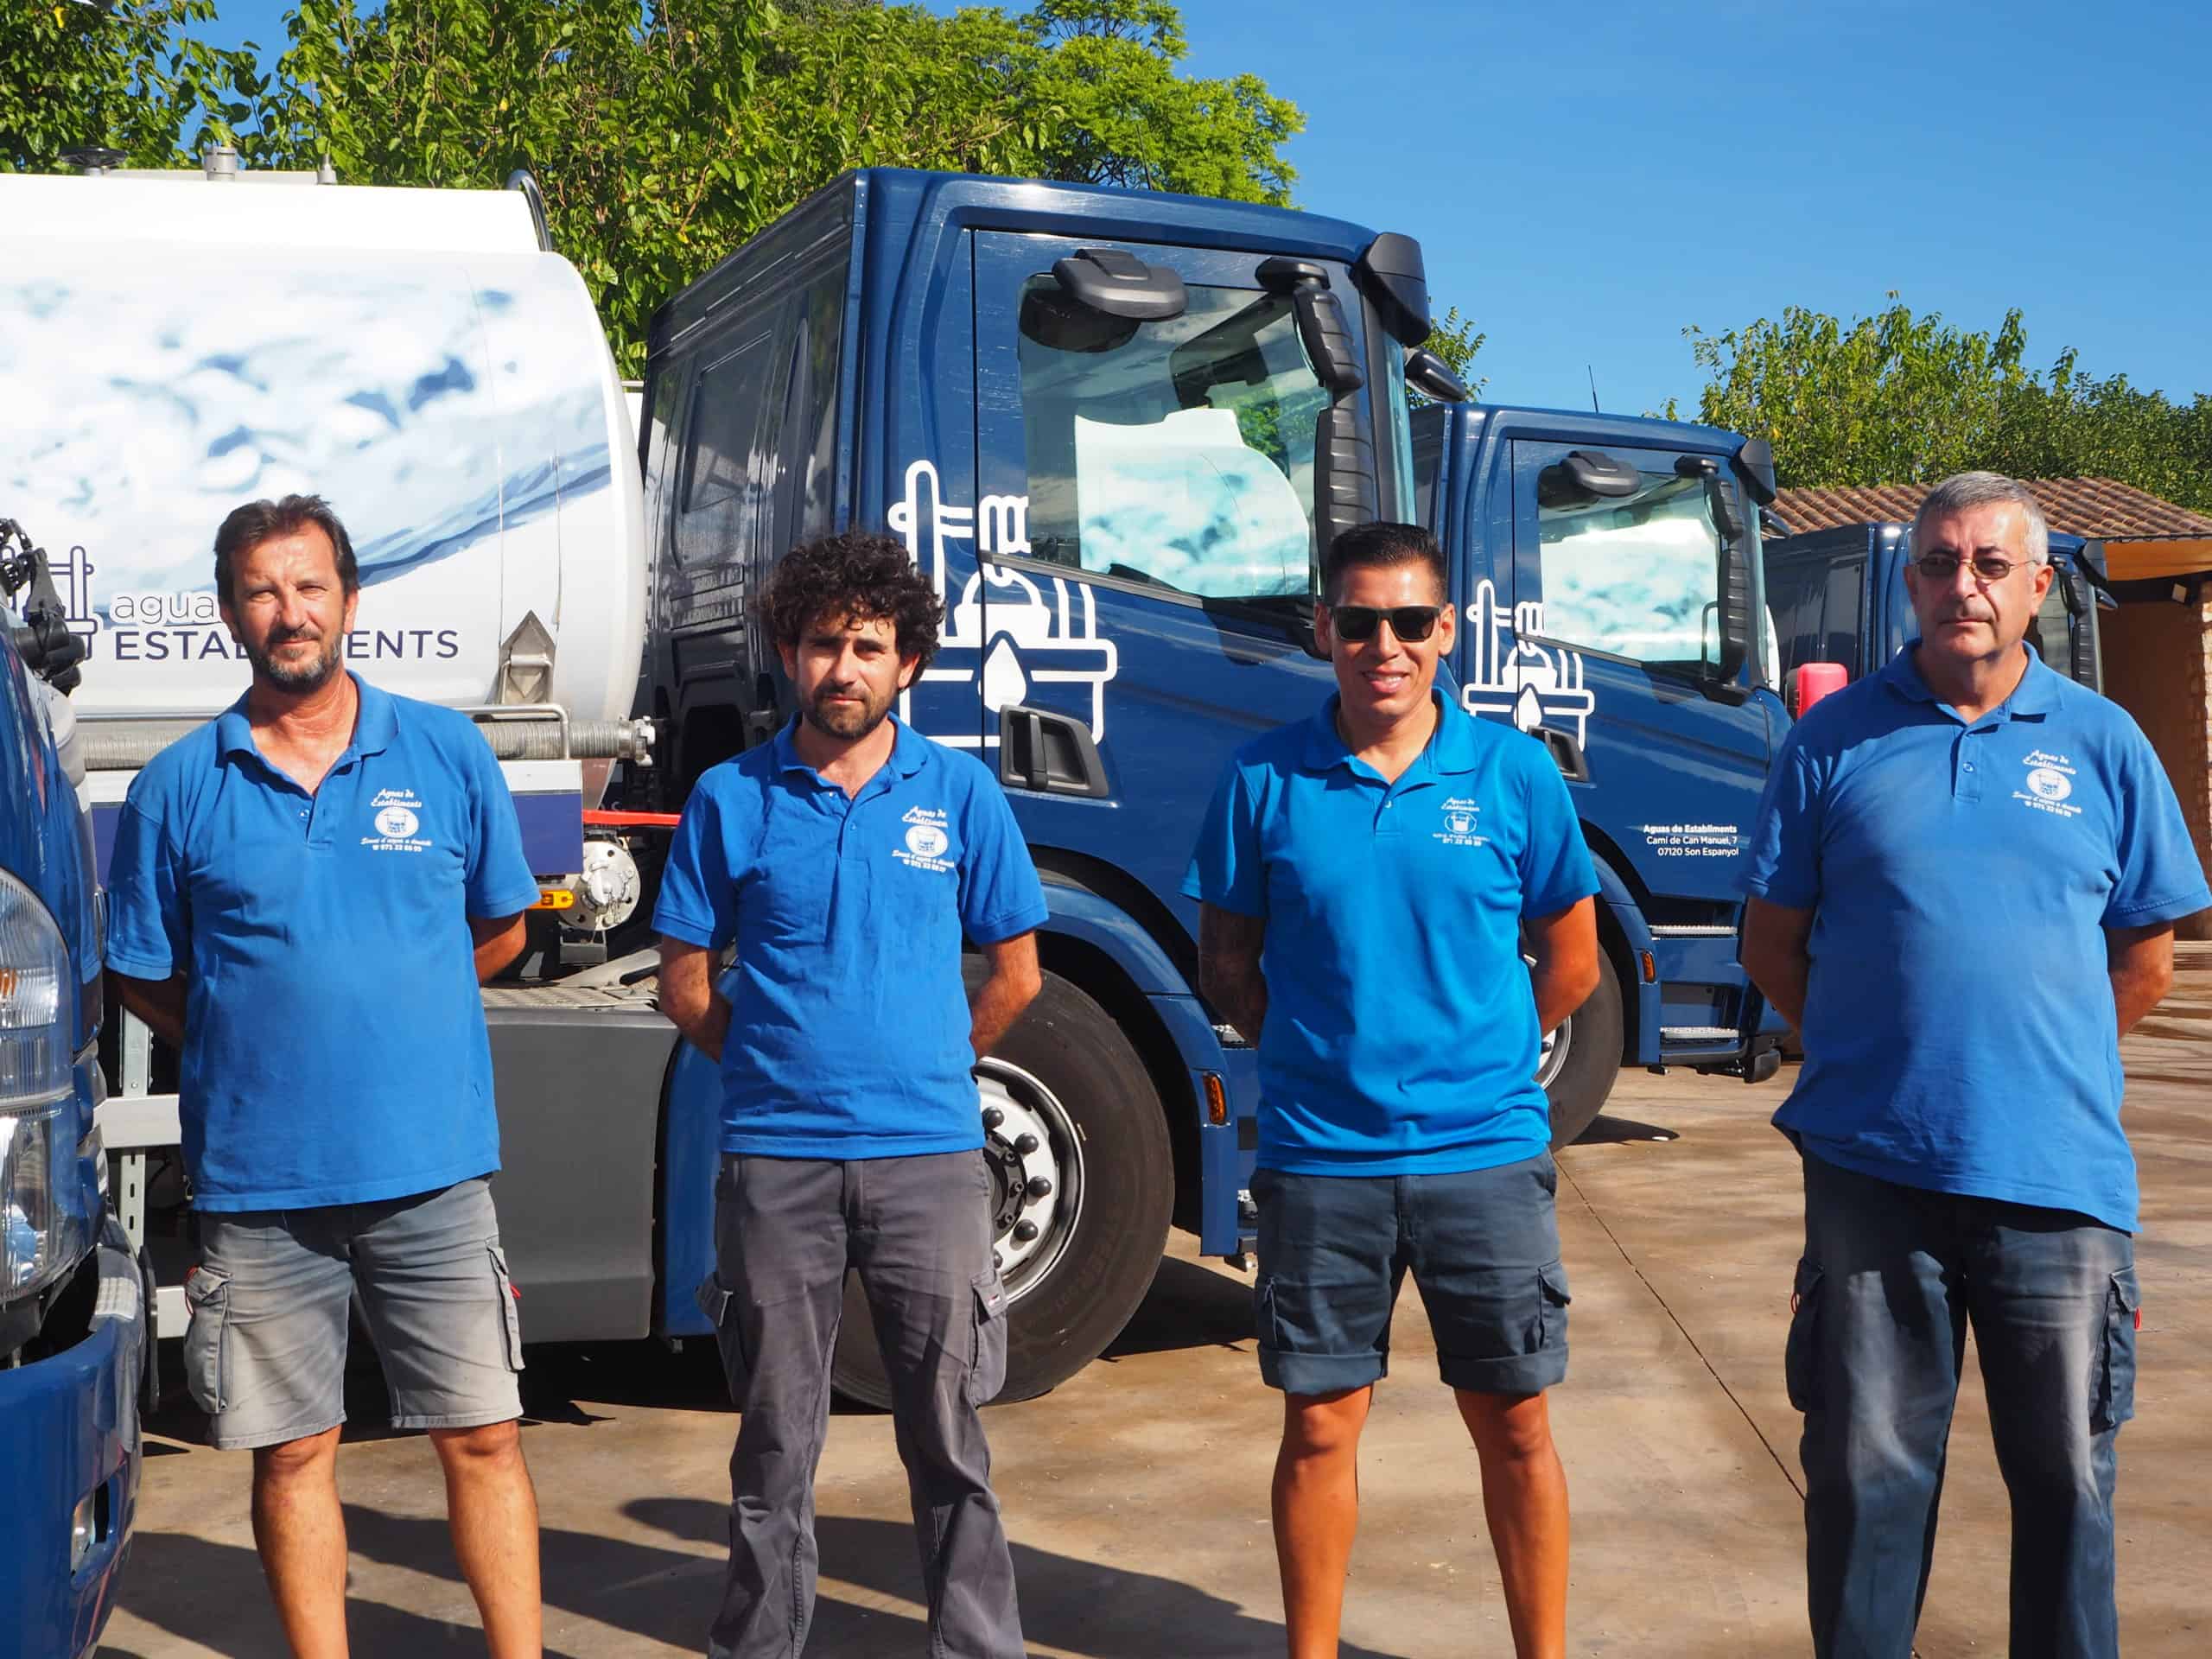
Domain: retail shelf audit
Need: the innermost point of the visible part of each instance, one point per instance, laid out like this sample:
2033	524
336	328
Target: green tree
1103	73
1452	337
1895	399
127	78
665	134
1886	399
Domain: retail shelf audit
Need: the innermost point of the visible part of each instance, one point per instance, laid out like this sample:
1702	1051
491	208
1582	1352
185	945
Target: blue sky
1588	179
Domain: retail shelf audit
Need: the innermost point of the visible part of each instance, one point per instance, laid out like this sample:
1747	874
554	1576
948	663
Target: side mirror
1120	284
1734	579
1344	489
1810	682
1582	476
1431	375
1755	466
1394	279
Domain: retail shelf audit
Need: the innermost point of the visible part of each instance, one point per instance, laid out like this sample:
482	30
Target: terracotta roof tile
2098	508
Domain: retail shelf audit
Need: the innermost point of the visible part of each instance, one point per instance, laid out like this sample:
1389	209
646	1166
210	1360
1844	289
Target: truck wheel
1082	1185
1583	1057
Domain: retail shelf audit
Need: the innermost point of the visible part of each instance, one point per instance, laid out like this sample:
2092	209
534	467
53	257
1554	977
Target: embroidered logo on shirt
2049	780
1460	818
927	840
396	818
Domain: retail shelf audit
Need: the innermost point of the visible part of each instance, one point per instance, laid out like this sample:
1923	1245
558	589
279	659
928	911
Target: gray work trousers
918	1231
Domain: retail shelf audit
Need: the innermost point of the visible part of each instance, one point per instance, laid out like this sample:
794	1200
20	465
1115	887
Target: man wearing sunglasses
1959	1120
1365	877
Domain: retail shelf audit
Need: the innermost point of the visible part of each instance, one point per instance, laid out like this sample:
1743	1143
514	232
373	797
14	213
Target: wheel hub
1553	1057
1035	1159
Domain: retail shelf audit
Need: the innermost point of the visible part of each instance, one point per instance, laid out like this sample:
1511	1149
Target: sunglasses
1987	567
1356	624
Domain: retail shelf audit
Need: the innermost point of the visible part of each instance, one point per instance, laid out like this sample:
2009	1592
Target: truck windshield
1636	577
1178	453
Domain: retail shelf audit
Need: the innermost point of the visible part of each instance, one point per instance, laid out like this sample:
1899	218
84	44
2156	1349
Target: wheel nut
1025	1144
997	1262
1040	1186
1024	1231
993	1117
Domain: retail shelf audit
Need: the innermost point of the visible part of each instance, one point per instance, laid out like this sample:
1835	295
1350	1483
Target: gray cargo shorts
265	1353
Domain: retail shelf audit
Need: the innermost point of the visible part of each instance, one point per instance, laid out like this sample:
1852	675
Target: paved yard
1136	1495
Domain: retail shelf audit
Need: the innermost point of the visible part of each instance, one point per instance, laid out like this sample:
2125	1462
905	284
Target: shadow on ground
213	1594
1188	1306
1606	1130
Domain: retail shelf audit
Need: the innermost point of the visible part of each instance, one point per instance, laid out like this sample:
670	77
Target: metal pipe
124	745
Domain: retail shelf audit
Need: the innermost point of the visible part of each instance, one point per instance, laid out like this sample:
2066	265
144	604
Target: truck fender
1098	922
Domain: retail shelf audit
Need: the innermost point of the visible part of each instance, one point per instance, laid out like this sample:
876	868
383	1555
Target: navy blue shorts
1482	1247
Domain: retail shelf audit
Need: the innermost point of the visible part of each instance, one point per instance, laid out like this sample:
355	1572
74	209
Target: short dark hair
861	576
1382	544
249	526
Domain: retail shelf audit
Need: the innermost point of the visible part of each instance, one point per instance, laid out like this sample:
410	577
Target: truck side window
726	476
1836	640
1635	576
1178	453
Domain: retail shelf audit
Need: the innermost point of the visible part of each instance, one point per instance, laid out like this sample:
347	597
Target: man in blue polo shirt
302	897
1366	876
844	862
1964	882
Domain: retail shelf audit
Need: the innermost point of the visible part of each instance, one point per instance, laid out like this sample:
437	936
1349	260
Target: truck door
1607	648
1145	537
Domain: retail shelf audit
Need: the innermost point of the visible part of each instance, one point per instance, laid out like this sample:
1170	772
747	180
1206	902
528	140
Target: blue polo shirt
334	1043
1959	1029
1401	1035
848	1023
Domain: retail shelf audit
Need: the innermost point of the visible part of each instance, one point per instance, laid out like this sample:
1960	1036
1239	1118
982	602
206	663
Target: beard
846	721
293	676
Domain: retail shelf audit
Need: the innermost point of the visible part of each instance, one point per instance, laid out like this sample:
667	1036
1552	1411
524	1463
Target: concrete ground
1137	1494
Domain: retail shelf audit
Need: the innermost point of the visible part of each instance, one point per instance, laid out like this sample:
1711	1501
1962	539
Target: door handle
1566	754
1049	754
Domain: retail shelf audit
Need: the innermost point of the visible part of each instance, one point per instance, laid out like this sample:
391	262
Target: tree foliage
1452	337
1895	398
75	76
665	134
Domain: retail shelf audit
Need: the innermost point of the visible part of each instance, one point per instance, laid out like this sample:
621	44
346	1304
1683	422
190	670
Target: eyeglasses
1987	567
1356	624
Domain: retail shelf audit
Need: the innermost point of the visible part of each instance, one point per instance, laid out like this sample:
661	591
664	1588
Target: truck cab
1837	596
1113	428
74	1329
1608	571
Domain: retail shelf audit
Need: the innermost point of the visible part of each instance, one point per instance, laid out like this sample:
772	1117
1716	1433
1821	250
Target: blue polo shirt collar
909	750
2035	696
375	724
1451	747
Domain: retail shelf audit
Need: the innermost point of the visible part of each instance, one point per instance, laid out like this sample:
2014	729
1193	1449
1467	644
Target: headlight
36	998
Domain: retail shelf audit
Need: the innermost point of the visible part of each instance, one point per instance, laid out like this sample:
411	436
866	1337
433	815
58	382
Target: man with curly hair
845	860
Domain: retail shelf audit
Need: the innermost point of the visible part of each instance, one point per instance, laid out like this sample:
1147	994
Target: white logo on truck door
1508	674
1026	634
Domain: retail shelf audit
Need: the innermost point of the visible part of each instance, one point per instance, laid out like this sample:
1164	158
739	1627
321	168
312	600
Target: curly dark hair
859	577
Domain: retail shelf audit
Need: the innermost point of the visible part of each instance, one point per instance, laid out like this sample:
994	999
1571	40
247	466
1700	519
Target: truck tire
1583	1057
1066	1075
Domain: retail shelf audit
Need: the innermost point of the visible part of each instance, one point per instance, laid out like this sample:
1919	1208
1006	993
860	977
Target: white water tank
172	347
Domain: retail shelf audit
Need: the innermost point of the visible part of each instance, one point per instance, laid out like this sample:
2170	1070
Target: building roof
2095	508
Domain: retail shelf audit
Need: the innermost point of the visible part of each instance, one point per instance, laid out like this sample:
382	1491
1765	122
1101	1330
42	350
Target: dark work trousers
918	1231
1891	1276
